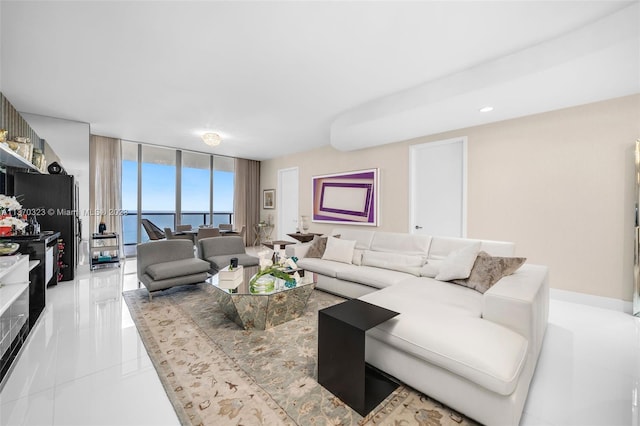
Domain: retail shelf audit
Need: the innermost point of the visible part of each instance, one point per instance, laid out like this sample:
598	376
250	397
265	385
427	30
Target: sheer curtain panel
106	179
246	200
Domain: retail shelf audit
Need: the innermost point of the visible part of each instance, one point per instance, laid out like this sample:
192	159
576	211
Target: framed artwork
347	198
269	199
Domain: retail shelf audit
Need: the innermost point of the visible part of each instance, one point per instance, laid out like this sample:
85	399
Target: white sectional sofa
471	351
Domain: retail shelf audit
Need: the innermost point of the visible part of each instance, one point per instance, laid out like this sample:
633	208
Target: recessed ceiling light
486	109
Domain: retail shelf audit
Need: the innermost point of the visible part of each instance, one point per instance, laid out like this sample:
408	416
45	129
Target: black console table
342	369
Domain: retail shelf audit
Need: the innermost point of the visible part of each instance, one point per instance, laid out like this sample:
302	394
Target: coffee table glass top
249	272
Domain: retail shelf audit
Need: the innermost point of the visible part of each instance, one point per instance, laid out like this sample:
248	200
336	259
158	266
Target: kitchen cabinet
14	308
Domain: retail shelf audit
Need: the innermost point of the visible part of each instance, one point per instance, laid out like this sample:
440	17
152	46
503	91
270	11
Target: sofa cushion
155	285
371	276
177	268
441	324
409	263
323	267
401	243
362	237
488	270
339	250
219	262
430	295
458	264
441	246
482	352
219	246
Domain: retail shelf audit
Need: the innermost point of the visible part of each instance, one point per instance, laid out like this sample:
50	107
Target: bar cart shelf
105	250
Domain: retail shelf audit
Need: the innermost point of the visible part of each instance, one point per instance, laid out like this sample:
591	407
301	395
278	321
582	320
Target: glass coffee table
263	310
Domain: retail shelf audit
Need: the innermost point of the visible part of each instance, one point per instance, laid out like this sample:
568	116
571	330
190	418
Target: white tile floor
84	364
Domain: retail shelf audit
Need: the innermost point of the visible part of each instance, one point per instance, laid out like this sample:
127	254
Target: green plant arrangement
261	286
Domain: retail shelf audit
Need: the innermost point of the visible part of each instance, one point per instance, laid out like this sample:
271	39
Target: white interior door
287	202
438	179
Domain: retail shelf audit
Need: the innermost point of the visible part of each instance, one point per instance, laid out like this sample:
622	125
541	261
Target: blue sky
159	188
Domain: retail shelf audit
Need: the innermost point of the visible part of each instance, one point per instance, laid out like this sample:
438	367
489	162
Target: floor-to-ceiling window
130	193
223	174
171	187
158	186
196	189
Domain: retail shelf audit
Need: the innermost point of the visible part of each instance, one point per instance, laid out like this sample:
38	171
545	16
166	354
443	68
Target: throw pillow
457	265
431	268
488	270
318	246
357	257
339	250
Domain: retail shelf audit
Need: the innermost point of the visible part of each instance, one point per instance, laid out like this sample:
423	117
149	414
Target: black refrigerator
54	199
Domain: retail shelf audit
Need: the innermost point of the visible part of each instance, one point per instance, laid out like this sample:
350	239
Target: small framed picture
269	199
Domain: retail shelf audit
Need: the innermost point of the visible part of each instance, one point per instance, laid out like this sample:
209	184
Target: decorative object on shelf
10	221
211	139
8	204
56	169
22	146
305	223
269	199
350	197
8	248
38	159
102	227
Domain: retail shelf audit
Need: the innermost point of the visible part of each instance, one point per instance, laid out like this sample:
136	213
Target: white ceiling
277	77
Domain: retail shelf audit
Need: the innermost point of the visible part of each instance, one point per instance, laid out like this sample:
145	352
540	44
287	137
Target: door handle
418	227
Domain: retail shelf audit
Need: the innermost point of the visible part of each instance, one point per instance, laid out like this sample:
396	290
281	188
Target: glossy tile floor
84	364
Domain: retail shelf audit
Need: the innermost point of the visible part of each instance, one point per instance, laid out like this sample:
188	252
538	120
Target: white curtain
105	183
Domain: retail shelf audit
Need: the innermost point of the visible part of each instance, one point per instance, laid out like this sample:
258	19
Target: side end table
342	369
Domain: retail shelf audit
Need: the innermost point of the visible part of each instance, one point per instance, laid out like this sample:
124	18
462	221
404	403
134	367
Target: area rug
215	373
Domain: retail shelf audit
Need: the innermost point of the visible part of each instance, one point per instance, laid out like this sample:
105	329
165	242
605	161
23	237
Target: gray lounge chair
168	263
218	251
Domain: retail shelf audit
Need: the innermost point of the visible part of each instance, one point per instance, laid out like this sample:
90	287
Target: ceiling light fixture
486	109
212	139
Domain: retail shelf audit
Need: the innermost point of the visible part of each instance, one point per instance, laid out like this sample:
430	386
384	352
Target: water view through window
200	181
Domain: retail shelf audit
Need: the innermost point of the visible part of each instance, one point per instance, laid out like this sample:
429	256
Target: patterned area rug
215	373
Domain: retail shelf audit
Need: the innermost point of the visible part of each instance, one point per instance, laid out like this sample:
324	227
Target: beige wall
558	184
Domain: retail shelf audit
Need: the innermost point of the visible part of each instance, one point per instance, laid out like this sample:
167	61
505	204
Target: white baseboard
591	300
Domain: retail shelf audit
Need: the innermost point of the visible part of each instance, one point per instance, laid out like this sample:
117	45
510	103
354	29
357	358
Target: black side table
342	369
